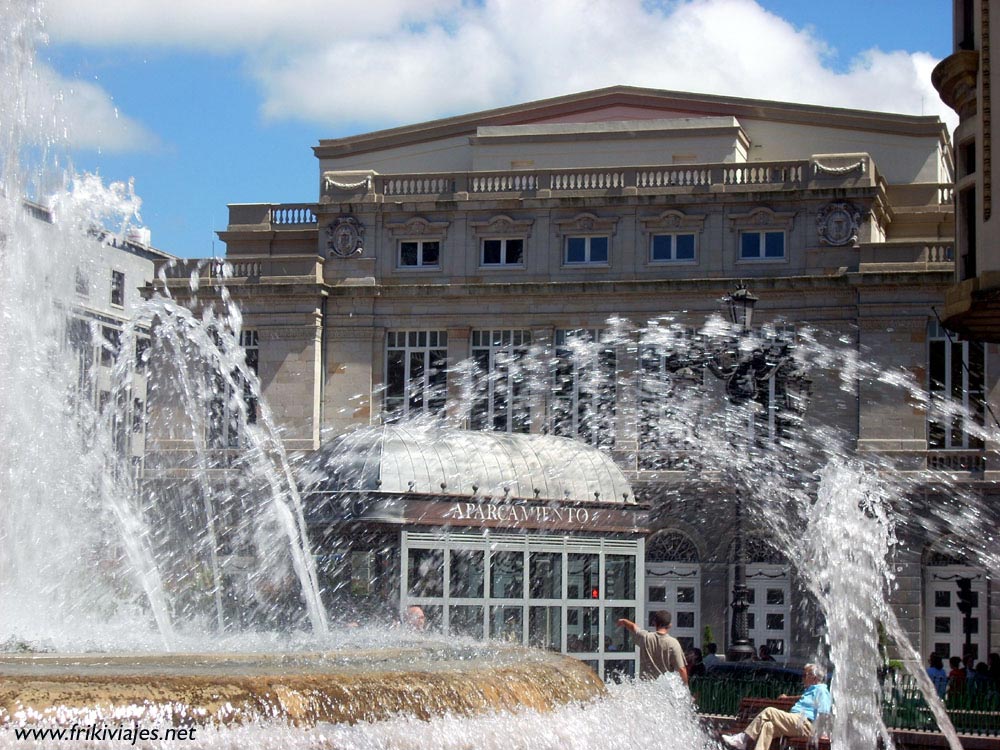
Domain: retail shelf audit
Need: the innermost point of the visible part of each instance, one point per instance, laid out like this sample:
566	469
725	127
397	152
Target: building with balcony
438	258
972	306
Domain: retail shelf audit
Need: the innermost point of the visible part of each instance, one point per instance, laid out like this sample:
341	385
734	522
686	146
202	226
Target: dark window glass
425	572
584	633
662	247
545	627
598	249
515	251
616	638
117	288
546	575
774	245
507	575
619	577
431	252
466	620
942	598
776	646
576	250
505	623
774	621
619	670
583	579
491	252
685	595
942	624
685	619
775	596
750	245
657	594
407	253
685	246
467	574
112	343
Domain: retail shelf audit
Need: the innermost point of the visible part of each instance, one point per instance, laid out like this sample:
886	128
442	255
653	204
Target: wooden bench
750	707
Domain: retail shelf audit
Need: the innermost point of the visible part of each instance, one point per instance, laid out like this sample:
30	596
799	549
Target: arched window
671	546
769	582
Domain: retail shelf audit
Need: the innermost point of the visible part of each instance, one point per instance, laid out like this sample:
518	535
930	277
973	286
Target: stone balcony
834	171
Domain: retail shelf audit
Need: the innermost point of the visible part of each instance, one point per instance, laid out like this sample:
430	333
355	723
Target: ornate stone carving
838	224
418	226
345	237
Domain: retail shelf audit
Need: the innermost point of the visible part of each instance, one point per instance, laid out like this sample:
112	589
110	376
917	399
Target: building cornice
641	98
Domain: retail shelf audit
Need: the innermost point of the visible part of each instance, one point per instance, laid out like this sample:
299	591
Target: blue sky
210	103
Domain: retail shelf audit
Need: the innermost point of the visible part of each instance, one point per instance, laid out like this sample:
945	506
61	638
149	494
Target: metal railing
973	709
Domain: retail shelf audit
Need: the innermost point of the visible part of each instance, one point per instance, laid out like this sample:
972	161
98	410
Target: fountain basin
302	688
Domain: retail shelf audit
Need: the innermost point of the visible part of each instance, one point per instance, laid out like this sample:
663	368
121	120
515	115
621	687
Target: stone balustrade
618	180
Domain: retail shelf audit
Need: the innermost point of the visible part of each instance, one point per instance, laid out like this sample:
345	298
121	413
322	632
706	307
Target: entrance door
676	587
943	625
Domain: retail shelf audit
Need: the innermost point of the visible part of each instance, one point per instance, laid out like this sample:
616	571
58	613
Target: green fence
974	710
714	695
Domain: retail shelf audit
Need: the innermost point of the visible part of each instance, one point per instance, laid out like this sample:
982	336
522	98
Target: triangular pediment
630	103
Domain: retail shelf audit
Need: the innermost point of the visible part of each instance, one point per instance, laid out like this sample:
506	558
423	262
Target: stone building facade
485	237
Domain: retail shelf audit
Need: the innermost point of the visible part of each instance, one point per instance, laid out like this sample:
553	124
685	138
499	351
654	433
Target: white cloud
395	61
79	114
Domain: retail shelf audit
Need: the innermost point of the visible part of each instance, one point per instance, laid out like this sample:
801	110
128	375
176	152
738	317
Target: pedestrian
956	677
773	722
712	657
935	670
764	654
415	618
659	652
696	666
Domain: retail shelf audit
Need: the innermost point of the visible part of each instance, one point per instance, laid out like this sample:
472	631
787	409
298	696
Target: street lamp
746	373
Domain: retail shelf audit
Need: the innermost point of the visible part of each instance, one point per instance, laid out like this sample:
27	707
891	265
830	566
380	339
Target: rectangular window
666	248
762	245
416	378
225	418
82	283
957	395
501	395
584	386
111	345
419	253
118	288
587	250
503	252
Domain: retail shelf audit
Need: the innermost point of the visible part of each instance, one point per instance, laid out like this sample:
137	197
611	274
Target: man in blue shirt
773	722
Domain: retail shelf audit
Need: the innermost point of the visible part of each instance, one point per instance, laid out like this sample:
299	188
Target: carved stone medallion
838	223
345	236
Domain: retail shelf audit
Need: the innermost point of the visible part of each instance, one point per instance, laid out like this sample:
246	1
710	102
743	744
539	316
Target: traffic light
967	598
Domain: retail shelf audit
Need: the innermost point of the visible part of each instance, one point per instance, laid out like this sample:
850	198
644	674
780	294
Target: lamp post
745	374
741	305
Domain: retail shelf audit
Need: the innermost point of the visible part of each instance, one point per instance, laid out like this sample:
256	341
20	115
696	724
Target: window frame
762	221
762	247
420	264
588	238
117	288
503	251
674	260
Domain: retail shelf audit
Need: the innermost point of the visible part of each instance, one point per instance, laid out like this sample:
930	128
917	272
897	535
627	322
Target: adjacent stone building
498	271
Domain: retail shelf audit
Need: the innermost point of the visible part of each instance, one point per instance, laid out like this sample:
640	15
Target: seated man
773	722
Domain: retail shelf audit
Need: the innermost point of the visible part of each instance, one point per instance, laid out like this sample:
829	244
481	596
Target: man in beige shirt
659	652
